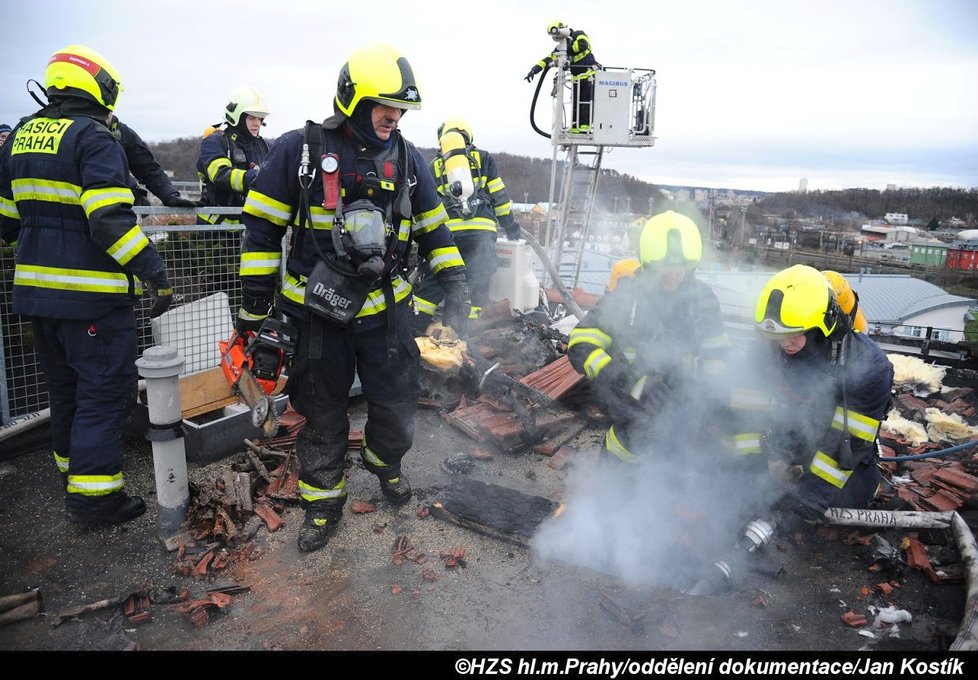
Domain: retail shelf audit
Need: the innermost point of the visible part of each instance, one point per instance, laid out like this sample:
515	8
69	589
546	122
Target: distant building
896	218
928	252
803	185
963	255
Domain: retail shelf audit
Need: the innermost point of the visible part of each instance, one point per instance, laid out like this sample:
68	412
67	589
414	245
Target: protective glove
787	446
140	198
251	175
610	390
161	292
178	201
252	314
458	306
794	514
657	391
513	231
533	72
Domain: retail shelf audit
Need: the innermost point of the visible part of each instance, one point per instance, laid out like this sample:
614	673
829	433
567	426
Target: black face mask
362	123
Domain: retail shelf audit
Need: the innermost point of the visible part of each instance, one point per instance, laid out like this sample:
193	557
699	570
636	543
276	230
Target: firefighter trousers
325	363
90	369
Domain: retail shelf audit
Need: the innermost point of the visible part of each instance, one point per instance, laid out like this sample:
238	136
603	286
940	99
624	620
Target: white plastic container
515	279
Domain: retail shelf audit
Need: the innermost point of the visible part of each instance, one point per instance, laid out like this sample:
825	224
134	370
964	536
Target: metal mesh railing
202	264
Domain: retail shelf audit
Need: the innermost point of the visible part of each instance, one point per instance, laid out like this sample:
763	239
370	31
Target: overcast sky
751	94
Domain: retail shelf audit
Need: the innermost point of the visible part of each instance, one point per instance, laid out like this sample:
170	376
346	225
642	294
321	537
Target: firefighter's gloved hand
657	390
251	175
513	231
533	72
458	306
252	313
610	390
795	514
161	292
178	201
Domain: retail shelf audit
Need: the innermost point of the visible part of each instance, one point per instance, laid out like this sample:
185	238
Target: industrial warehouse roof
885	298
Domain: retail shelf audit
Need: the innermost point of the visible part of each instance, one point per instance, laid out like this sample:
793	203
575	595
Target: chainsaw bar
263	413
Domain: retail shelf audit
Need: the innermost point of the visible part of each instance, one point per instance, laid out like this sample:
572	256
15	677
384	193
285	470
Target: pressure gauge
330	164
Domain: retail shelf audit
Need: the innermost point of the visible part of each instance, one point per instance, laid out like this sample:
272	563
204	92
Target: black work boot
317	528
113	508
396	489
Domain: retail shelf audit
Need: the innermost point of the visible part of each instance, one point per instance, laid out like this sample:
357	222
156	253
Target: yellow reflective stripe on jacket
267	208
320	218
129	246
31	189
595	363
750	400
259	263
61	462
860	426
614	446
295	289
714	367
504	209
217	164
8	208
424	306
743	444
85	280
428	221
592	336
474	312
375	299
94	199
495	184
443	258
248	316
824	467
312	494
237	180
471	224
95	485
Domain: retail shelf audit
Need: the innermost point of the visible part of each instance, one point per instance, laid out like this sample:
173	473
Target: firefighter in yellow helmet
355	193
82	263
848	299
478	207
833	390
231	156
583	67
651	347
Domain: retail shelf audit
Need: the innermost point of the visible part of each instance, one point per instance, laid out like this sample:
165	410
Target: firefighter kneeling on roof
356	192
831	388
652	347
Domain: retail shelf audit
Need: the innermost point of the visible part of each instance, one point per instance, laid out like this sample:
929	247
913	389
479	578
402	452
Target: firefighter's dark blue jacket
273	202
65	201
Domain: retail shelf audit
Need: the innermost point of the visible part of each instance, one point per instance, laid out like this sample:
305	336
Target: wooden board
493	510
207	391
204	391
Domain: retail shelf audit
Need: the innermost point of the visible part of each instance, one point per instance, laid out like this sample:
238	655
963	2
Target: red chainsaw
252	364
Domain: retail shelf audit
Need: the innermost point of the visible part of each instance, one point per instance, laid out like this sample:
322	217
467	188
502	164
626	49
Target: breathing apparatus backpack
364	235
459	165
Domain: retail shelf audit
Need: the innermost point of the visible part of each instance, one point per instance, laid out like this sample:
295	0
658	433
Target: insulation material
442	350
898	426
910	372
943	426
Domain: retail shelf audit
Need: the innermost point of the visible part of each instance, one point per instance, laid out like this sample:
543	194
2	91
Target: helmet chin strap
33	94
